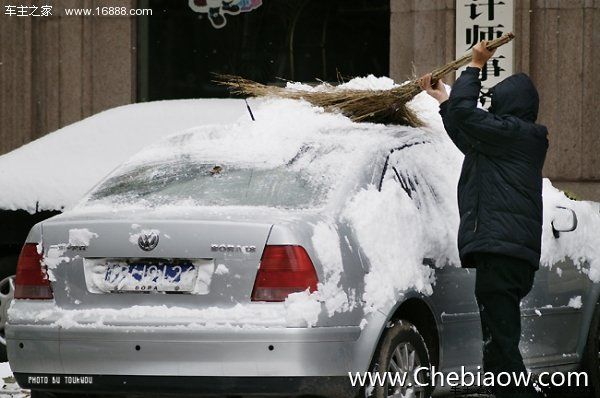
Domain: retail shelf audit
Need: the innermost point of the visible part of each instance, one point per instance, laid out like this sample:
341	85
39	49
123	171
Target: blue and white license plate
148	277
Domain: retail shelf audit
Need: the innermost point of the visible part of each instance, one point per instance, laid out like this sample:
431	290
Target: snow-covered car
276	257
50	174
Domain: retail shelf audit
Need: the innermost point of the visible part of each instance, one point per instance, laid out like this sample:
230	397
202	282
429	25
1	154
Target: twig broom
376	106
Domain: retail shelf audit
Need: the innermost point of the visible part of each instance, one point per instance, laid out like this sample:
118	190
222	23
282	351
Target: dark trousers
501	282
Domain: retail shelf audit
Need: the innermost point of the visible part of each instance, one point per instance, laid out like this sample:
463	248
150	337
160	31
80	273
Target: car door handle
557	229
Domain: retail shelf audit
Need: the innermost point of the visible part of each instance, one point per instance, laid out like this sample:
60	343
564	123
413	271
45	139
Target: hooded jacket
500	186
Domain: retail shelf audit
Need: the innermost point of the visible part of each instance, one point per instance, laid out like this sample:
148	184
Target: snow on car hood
55	171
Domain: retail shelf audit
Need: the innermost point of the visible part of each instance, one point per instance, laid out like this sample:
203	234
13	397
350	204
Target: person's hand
437	91
481	54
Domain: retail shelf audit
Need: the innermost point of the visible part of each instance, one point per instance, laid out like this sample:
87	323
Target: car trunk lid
83	256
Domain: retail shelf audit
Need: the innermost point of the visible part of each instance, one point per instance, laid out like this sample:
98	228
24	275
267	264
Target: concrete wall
57	70
557	44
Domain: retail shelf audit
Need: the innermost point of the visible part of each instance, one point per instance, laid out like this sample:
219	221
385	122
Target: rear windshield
213	184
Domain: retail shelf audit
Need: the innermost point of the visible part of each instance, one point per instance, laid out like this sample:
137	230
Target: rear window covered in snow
213	184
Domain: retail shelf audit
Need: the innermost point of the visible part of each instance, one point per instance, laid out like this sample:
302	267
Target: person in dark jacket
499	200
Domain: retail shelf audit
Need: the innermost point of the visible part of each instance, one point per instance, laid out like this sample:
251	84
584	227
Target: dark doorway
299	40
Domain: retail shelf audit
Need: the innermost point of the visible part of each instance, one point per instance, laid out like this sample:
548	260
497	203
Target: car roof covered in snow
331	154
55	171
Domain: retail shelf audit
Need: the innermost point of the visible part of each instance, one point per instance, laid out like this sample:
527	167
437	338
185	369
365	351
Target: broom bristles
375	106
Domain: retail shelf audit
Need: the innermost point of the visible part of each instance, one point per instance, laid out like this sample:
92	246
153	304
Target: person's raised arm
438	91
482	130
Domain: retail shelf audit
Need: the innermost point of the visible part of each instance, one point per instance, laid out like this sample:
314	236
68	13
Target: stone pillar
557	42
60	69
565	49
421	36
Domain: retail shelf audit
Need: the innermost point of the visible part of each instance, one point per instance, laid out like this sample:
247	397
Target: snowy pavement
10	388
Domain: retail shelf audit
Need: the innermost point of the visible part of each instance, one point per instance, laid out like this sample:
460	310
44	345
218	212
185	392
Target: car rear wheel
402	351
7	292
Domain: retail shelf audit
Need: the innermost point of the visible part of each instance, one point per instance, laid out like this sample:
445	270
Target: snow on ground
9	387
5	370
59	168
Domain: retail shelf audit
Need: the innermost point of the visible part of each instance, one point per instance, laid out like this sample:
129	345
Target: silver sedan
251	276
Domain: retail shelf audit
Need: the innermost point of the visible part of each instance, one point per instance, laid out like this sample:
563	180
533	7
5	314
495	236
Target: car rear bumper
267	352
189	385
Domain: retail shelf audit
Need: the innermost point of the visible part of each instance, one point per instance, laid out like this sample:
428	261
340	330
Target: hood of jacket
517	96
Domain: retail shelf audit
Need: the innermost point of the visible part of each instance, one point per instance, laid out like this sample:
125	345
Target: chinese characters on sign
27	11
478	20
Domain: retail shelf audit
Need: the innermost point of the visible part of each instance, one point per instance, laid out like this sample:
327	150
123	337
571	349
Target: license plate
144	277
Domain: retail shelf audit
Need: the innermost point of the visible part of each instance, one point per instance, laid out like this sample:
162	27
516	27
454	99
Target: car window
214	184
402	166
407	182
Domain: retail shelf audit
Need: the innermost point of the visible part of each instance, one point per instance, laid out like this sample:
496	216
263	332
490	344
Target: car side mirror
565	220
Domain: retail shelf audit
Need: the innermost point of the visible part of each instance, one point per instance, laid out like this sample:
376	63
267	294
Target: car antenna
249	109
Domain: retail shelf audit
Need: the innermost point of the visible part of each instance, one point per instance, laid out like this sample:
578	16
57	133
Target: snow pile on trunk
55	171
53	257
258	315
81	236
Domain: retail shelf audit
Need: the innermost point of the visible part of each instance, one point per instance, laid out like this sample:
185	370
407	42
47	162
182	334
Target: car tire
401	349
7	292
591	359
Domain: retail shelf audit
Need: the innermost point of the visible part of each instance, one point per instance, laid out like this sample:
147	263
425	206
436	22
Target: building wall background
557	44
57	70
60	69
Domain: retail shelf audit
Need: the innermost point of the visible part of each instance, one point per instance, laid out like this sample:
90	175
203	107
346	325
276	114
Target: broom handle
437	73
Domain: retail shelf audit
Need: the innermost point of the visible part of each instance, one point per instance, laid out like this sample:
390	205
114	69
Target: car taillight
283	270
31	281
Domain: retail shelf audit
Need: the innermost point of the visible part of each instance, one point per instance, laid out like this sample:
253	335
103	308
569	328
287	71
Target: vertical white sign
478	20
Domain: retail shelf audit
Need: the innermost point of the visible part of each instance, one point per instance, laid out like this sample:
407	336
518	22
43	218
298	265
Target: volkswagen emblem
148	240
